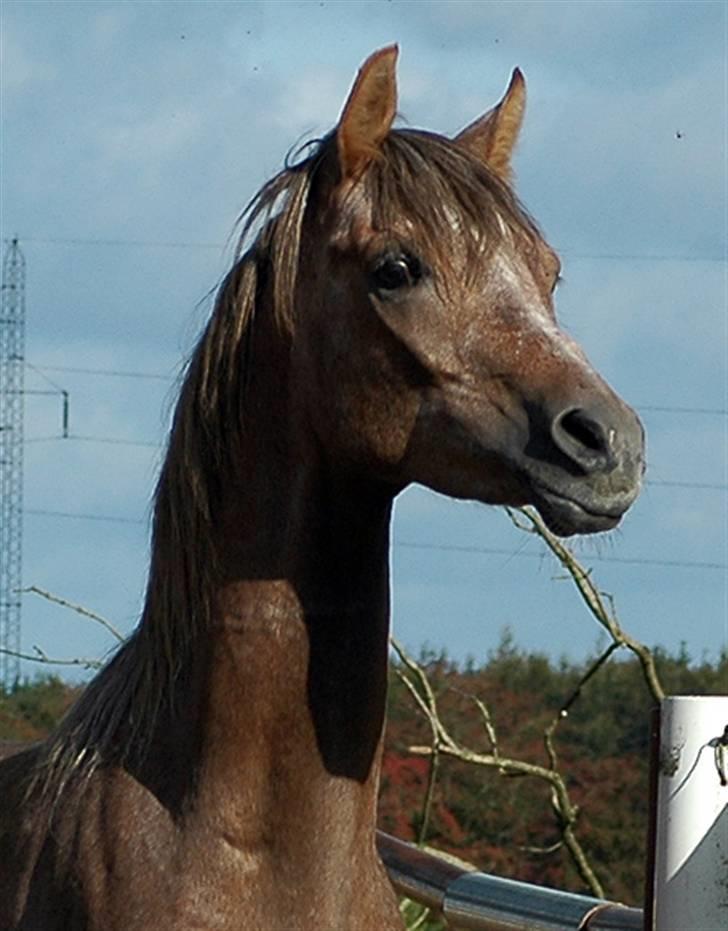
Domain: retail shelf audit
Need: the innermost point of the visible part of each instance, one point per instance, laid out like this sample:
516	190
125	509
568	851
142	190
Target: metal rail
472	900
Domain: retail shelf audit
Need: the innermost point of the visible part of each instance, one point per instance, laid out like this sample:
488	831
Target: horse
388	320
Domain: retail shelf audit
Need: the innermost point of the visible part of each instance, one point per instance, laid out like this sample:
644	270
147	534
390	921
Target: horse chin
565	516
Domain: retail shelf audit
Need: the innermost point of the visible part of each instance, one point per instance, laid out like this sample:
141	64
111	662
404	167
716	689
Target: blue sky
134	132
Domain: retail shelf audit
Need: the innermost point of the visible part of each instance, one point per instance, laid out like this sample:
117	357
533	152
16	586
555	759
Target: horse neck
297	679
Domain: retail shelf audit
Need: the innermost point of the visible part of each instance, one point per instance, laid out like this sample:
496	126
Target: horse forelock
457	209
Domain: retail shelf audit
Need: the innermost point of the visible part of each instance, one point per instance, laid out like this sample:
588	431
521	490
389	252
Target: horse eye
396	271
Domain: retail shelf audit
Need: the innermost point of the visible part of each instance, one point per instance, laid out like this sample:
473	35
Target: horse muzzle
584	465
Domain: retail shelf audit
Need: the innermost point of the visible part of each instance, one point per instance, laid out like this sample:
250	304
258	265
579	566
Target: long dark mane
417	174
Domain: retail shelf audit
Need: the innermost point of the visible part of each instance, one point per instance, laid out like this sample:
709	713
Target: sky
133	133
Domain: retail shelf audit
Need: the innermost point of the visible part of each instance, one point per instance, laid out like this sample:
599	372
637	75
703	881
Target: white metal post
691	837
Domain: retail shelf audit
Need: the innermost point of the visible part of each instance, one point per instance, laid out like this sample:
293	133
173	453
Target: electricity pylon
12	363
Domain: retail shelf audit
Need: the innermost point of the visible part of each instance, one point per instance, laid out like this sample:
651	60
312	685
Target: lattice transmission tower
12	365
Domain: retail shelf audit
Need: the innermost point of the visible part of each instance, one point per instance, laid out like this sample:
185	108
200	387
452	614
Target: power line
121	373
437	547
641	257
40	371
114	373
626	561
115	441
112	440
61	392
654	408
182	244
136	243
706	486
122	441
41	512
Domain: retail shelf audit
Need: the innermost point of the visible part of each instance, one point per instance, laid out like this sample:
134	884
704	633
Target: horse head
429	292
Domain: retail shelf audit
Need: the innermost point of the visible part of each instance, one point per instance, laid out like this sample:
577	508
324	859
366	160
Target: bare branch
563	711
415	915
486	718
600	605
428	703
84	612
434	758
595	667
429	793
541	851
565	812
40	657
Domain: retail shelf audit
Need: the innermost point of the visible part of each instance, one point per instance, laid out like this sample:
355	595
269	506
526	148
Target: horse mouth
565	516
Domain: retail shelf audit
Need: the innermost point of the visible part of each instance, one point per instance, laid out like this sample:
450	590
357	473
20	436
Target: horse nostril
583	439
584	430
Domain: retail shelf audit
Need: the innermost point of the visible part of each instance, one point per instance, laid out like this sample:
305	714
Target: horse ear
492	137
368	113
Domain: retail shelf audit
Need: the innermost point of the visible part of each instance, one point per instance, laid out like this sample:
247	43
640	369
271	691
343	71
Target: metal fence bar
476	901
415	873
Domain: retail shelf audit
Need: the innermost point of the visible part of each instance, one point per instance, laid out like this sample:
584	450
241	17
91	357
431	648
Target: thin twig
563	711
84	612
595	600
541	851
417	922
429	794
485	716
41	657
426	702
594	668
434	758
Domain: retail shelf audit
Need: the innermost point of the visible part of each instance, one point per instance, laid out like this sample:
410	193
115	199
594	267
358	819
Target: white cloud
108	27
149	142
308	102
22	66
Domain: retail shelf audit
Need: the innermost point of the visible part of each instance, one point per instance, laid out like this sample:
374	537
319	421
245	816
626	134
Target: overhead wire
112	440
114	373
124	441
438	547
189	244
40	371
122	373
622	560
43	512
143	243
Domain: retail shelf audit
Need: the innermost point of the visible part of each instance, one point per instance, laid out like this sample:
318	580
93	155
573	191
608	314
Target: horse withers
389	320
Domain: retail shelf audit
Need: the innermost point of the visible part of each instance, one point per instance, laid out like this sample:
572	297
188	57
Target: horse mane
114	720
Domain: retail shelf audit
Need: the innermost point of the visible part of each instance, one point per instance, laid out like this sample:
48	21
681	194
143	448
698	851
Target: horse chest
224	890
133	868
